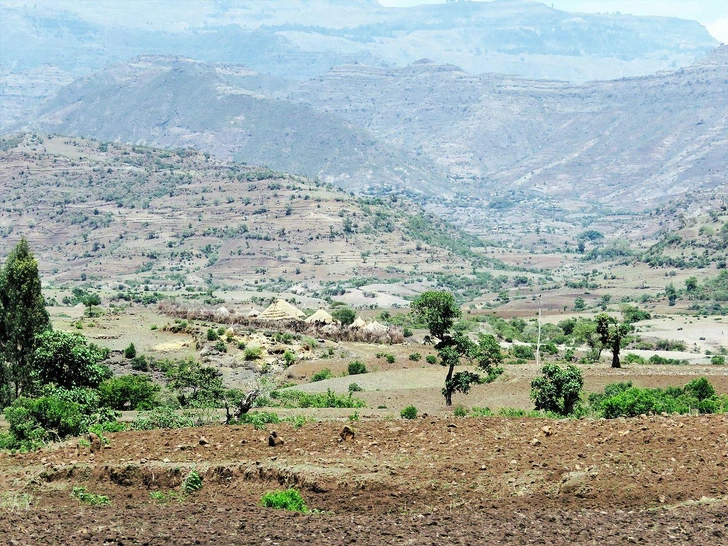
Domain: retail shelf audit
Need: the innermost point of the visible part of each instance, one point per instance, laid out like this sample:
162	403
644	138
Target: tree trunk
615	354
448	386
244	405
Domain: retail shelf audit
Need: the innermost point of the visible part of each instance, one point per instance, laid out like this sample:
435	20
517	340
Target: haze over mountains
378	99
44	45
435	130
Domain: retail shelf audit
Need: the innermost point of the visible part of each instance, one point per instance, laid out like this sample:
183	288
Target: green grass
289	499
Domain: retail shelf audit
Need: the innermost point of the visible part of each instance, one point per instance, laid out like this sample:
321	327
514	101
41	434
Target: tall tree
439	311
613	334
22	316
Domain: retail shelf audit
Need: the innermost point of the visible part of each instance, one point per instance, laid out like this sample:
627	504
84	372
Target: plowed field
655	480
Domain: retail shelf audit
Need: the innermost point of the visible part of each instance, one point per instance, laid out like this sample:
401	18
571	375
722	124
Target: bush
290	499
431	359
329	399
558	390
632	358
161	417
718	360
657	359
622	400
354	387
138	390
406	332
192	483
321	375
84	496
481	412
252	352
140	363
130	351
259	419
356	368
415	357
460	411
212	335
344	316
410	412
389	358
289	358
523	351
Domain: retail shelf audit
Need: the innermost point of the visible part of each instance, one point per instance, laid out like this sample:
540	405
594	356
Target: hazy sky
713	14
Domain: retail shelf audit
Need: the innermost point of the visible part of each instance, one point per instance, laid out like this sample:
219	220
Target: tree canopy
22	317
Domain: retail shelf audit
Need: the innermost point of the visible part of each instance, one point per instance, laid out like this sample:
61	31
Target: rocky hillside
486	148
180	219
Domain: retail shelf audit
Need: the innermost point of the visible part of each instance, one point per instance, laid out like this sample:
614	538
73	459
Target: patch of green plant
717	360
297	420
410	412
322	375
523	351
252	352
415	357
481	412
623	400
82	495
354	387
161	497
289	499
356	368
657	359
329	399
134	392
130	351
162	417
460	411
389	358
289	358
259	419
192	483
431	359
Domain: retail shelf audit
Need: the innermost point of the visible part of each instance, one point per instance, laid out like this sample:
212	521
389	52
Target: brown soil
436	480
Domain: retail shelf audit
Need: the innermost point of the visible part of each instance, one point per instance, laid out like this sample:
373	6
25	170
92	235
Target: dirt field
657	480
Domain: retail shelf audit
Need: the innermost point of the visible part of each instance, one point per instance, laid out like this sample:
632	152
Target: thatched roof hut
320	317
253	313
375	328
281	310
358	323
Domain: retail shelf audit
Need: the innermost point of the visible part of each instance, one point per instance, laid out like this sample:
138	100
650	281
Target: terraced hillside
180	218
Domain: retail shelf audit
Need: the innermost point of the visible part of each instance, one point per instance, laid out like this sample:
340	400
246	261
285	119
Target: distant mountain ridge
300	39
428	129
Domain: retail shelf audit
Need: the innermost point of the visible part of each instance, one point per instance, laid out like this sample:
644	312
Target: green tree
345	316
579	304
691	284
22	317
439	311
558	389
67	360
196	385
613	334
586	330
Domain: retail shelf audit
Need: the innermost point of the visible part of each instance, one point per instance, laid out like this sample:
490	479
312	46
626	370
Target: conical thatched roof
222	312
358	323
281	310
375	328
320	317
253	312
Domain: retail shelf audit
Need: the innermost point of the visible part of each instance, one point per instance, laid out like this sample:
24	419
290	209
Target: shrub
36	421
130	351
460	411
290	499
259	419
632	358
523	351
140	363
698	395
161	417
718	360
329	399
289	358
657	359
431	359
212	335
356	368
321	375
252	352
138	390
389	358
344	316
406	332
415	357
481	412
558	389
410	412
220	346
354	387
84	496
192	483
